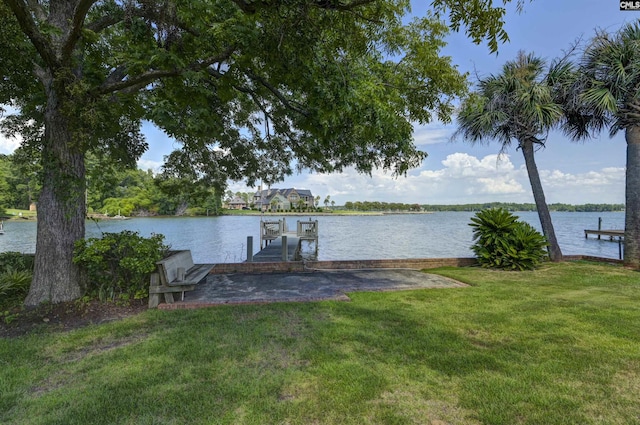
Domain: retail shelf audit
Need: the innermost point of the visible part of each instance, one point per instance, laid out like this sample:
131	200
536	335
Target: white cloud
464	178
9	144
431	134
503	186
592	179
598	186
241	187
146	164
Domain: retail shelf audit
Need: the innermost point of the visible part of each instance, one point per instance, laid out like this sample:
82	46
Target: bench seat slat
193	275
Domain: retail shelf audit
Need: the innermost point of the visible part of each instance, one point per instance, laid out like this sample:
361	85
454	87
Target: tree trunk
61	212
632	199
555	254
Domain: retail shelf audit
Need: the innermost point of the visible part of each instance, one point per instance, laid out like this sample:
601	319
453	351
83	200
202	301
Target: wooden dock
273	252
611	233
274	233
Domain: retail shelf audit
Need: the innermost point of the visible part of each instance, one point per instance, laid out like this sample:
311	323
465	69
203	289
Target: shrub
14	285
501	241
118	264
15	261
16	270
195	211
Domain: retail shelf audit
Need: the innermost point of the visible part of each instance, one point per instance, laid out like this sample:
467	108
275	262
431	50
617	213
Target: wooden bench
176	273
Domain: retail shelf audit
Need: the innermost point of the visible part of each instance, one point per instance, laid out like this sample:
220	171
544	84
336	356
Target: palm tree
520	104
607	93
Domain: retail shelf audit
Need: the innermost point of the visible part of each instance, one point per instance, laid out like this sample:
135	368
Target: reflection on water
442	234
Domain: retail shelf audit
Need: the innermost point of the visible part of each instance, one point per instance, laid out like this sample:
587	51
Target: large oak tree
249	87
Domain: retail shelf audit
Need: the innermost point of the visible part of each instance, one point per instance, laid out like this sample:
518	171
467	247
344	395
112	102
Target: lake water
441	234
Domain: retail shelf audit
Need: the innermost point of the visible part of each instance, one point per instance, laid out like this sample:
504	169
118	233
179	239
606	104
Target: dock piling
620	248
599	225
249	249
285	251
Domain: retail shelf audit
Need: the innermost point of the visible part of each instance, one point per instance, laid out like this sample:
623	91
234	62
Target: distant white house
283	199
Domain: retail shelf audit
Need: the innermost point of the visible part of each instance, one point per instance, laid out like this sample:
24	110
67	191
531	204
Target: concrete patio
246	288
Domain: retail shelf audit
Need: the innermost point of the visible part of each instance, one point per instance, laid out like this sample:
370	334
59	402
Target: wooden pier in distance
278	243
612	233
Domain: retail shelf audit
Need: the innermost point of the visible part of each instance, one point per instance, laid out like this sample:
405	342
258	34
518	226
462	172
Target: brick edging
592	258
299	266
400	263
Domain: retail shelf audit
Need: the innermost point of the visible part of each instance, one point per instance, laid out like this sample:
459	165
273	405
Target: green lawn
560	345
14	213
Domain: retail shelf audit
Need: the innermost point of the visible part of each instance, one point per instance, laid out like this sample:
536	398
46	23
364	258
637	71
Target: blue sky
456	172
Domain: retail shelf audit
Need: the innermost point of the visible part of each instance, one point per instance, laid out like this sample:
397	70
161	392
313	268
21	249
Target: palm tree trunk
555	254
632	199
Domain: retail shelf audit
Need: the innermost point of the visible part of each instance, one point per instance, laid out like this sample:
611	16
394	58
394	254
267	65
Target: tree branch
29	27
79	15
337	5
117	81
37	9
105	22
276	93
250	7
139	80
116	75
267	85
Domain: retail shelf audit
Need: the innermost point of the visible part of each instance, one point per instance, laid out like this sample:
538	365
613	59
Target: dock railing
273	230
307	230
270	230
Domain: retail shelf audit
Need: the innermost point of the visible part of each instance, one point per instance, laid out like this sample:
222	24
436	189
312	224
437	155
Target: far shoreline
32	216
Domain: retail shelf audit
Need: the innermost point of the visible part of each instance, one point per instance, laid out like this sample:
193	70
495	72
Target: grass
14	213
559	345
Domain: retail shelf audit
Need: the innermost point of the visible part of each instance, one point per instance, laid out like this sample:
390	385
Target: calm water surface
441	234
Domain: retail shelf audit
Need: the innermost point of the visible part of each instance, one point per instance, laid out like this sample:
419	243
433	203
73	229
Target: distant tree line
381	206
510	206
112	189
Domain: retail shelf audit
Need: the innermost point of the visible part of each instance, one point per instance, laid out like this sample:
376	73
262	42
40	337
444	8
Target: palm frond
519	102
610	70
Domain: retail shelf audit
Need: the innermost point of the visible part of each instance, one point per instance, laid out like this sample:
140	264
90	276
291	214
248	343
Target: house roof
267	194
237	200
285	192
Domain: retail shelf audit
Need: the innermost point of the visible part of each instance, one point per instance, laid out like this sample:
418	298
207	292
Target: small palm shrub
14	284
16	270
501	241
118	264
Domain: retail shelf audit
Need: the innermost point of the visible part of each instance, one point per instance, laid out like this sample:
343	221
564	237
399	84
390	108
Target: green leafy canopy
246	87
